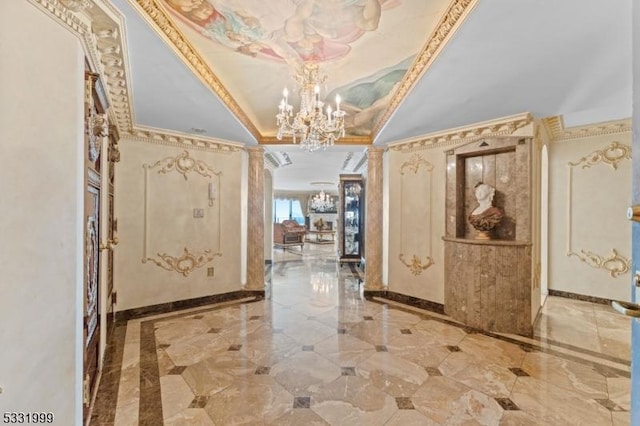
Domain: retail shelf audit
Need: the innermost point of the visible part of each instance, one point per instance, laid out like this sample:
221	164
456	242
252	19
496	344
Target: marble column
373	220
255	220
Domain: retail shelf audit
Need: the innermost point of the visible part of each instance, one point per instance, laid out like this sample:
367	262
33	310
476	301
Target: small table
320	236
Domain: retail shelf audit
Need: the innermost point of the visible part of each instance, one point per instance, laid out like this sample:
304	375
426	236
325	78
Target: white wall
171	226
598	196
41	143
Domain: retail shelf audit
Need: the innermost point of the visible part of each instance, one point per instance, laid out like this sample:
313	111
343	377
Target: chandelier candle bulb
309	124
337	103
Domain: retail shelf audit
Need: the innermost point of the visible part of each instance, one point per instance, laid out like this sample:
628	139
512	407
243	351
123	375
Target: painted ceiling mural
254	47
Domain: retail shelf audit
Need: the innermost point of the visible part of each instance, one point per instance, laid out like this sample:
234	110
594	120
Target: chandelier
311	125
322	202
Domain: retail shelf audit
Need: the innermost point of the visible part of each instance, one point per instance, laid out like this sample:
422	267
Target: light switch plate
198	213
210	271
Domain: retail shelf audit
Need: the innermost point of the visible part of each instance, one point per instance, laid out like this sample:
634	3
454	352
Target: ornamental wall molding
181	140
184	264
558	132
449	23
415	264
613	154
183	164
157	17
414	164
461	135
615	264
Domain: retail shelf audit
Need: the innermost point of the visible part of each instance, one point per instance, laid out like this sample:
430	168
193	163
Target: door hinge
86	398
114	298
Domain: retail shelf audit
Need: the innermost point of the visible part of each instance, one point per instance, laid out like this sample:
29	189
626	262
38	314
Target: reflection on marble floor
317	352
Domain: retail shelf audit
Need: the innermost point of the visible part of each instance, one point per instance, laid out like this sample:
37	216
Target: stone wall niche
489	282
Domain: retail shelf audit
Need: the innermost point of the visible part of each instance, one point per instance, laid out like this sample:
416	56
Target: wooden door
112	228
95	131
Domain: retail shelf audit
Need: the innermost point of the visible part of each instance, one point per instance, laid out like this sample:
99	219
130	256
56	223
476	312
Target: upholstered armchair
289	232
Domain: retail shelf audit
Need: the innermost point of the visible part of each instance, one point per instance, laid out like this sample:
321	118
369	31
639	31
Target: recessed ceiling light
198	130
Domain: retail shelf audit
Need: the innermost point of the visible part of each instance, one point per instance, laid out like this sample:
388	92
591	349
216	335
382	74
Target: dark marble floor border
606	370
407	300
150	408
582	297
163	308
104	406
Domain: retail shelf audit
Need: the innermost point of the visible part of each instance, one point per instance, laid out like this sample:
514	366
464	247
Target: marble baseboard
582	297
407	300
163	308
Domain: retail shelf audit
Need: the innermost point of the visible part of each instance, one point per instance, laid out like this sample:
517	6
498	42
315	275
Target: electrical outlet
210	271
198	213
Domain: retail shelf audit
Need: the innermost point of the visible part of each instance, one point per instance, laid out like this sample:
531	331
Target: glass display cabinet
351	218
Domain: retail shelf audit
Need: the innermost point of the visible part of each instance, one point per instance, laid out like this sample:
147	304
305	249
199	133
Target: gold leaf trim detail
184	164
414	164
449	22
503	127
184	264
615	264
416	266
611	155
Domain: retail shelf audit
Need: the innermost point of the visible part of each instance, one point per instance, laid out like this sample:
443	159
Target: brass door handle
626	308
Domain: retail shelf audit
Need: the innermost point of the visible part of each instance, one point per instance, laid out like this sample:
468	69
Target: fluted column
255	219
373	220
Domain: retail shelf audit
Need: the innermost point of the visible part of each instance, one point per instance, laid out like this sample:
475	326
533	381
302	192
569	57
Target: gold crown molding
611	155
155	14
460	135
184	264
451	20
181	140
415	265
183	164
557	131
615	264
414	164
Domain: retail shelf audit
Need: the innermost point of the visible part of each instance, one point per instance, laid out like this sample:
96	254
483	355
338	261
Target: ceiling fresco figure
293	31
366	99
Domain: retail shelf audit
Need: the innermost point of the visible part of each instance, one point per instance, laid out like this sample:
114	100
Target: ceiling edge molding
555	128
363	160
65	16
346	140
449	23
153	13
181	140
501	127
100	28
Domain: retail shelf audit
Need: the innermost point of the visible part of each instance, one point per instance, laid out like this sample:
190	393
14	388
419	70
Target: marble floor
315	352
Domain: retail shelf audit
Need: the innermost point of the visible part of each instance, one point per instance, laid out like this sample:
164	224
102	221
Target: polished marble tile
317	352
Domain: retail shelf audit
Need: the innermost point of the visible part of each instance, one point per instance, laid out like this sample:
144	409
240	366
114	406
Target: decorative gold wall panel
413	165
611	155
184	165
